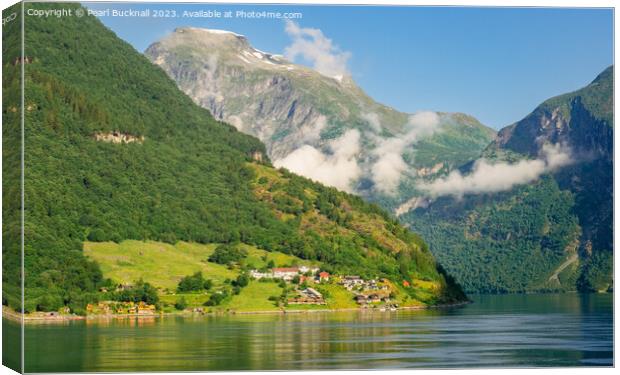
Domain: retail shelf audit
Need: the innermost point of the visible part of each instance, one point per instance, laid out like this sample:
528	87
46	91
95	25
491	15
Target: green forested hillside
505	242
189	178
554	234
11	160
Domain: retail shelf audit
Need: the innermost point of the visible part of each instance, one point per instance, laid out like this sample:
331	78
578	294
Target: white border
477	3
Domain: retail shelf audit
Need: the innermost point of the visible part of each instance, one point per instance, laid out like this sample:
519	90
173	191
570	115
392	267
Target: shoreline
14	316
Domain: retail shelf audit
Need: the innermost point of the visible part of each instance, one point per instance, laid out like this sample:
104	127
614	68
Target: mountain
323	127
115	151
538	220
551	233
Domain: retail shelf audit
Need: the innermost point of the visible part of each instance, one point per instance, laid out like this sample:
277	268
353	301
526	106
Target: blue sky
496	64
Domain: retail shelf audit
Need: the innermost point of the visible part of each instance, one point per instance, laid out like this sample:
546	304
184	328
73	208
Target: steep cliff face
562	239
283	104
299	113
583	119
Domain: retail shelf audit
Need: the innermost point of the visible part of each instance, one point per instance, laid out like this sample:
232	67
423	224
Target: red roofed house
406	283
323	276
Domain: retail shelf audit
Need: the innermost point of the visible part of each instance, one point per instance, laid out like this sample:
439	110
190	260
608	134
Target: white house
260	275
285	273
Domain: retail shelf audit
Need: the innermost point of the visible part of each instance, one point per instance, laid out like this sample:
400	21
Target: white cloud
488	177
422	124
312	132
389	164
373	120
338	168
312	46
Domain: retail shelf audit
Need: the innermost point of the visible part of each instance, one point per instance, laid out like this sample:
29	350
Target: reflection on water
495	331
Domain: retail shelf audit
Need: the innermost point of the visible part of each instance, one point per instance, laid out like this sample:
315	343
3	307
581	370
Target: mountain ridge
576	198
290	106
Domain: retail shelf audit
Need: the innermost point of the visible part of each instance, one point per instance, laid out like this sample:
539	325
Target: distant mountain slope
115	151
517	240
301	115
583	120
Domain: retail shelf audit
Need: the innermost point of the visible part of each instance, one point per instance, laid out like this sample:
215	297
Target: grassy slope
160	264
254	297
163	265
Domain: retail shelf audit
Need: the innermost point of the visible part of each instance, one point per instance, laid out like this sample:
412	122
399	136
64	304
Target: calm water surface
494	331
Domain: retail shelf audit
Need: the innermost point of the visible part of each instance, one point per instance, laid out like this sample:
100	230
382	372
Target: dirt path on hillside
573	258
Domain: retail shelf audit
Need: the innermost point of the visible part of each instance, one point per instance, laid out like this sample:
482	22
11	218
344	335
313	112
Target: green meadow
163	265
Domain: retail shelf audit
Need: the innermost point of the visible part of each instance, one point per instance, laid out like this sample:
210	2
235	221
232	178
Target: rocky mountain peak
306	119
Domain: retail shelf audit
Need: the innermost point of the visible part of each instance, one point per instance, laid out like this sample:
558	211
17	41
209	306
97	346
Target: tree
141	292
181	304
49	303
216	298
192	283
227	254
242	281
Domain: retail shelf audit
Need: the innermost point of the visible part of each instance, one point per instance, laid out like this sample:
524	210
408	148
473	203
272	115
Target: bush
216	299
227	254
597	272
97	235
181	304
242	281
192	283
49	302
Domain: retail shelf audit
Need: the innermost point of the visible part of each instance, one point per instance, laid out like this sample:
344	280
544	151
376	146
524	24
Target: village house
323	276
261	275
361	299
350	282
308	296
306	270
313	293
286	274
145	309
364	299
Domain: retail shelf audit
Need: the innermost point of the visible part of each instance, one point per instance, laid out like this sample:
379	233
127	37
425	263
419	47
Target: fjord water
494	331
